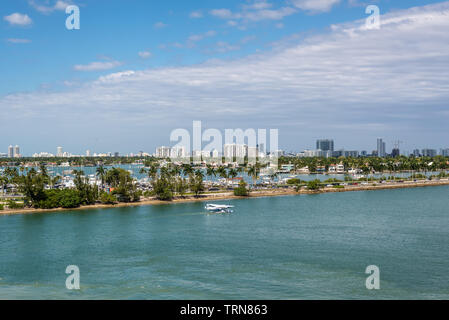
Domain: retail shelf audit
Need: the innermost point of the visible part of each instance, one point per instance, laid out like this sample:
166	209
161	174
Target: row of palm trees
186	170
373	164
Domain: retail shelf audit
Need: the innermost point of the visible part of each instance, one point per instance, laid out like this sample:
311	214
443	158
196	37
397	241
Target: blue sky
138	69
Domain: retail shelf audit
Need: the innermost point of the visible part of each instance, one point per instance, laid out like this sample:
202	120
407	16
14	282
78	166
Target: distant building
43	155
3	155
395	152
231	151
59	152
325	145
163	152
428	152
17	152
10	152
315	154
88	153
346	154
416	153
381	146
178	152
445	152
215	154
252	152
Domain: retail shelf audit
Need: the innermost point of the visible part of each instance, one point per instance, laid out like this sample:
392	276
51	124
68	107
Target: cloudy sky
137	70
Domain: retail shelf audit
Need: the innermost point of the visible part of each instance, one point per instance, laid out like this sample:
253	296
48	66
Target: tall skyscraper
16	151
231	151
325	145
10	152
381	146
59	152
395	152
429	153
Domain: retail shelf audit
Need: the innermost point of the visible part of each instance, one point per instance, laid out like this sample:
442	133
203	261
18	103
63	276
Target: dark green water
298	247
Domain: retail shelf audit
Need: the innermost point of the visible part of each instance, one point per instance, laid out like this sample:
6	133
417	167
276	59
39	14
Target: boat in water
218	208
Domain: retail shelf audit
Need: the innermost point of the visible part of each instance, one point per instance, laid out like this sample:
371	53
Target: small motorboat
218	208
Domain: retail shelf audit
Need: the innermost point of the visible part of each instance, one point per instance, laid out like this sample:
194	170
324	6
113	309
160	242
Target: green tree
314	185
241	190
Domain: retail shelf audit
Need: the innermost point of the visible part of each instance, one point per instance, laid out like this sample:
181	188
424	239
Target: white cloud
268	14
18	19
18	41
199	37
196	14
315	5
256	11
339	80
97	66
223	47
144	54
258	5
160	25
222	13
46	8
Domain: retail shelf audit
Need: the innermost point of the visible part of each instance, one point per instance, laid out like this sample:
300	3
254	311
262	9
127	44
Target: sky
136	70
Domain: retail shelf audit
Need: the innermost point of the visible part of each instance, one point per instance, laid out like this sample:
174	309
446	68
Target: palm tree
221	171
233	173
253	172
152	172
101	172
3	182
210	171
187	169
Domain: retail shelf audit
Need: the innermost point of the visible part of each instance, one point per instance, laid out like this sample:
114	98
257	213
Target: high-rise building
59	152
163	152
10	152
416	153
215	154
428	152
325	145
445	152
395	152
178	152
381	146
88	153
231	151
16	152
253	153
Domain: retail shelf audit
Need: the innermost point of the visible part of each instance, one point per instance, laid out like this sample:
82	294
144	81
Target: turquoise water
296	247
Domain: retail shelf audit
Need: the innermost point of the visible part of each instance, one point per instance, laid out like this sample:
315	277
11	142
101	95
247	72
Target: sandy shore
230	195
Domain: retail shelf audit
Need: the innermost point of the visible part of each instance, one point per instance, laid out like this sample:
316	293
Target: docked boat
219	208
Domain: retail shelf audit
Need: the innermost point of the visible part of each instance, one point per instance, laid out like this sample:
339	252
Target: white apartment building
235	150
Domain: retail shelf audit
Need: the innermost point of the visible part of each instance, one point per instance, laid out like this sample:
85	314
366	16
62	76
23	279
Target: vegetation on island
241	190
34	187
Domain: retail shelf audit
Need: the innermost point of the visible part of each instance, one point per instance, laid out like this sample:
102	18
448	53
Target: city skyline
214	62
324	147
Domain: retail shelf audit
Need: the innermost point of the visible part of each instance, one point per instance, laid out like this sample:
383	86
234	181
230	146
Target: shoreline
231	196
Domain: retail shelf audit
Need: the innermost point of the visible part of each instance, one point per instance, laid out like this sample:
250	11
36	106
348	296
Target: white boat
218	208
